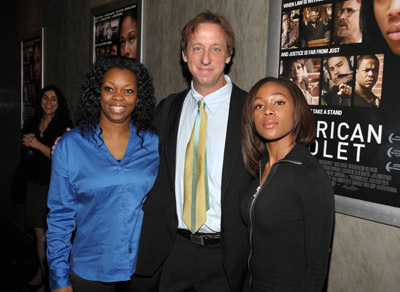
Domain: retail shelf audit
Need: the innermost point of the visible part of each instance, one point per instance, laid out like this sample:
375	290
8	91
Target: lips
269	124
394	32
117	109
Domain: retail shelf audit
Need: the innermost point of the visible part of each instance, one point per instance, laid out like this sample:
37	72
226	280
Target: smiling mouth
117	109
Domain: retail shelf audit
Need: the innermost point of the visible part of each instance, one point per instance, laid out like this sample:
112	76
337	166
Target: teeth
117	108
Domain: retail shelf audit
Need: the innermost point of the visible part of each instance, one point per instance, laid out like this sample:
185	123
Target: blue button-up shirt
102	199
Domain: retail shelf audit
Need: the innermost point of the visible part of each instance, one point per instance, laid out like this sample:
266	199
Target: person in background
39	133
295	70
349	31
387	18
367	71
290	34
175	254
101	173
128	34
289	209
340	72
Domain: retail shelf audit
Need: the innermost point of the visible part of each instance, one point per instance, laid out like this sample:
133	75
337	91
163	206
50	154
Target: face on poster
352	90
116	32
31	74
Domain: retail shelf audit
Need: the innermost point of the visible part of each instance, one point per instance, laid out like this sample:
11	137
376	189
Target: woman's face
387	15
49	102
274	113
118	96
296	72
128	37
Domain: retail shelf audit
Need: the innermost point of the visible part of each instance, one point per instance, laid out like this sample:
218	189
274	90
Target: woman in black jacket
39	132
289	211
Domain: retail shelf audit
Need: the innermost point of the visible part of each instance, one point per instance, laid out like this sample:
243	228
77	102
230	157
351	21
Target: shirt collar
215	99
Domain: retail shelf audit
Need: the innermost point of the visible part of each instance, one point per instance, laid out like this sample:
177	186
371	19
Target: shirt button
124	243
122	205
119	167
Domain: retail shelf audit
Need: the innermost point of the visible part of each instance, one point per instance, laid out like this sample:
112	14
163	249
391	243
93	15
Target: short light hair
208	17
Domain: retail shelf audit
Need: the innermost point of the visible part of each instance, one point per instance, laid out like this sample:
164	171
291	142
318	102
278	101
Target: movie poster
31	75
109	39
353	93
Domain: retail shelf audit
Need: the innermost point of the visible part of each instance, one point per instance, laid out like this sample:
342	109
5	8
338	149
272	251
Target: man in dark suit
214	258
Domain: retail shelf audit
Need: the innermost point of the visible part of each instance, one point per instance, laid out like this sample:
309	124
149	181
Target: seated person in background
367	71
296	72
348	29
290	34
340	72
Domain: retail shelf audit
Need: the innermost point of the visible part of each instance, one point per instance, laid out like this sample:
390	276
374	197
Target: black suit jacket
160	222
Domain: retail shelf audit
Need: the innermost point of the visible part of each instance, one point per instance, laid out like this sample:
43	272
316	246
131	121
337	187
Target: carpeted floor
18	260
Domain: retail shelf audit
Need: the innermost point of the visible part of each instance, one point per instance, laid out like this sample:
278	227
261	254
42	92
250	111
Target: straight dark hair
253	145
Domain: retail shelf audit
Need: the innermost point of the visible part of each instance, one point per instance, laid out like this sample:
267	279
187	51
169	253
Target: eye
196	49
279	102
108	88
121	42
258	106
132	39
129	91
54	99
216	49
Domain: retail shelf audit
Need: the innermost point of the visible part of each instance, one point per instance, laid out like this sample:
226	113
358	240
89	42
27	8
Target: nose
205	58
125	50
268	111
394	8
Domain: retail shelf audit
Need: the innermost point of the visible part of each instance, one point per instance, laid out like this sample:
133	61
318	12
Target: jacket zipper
251	209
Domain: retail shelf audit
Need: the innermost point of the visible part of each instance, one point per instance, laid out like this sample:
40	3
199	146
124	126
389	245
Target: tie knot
201	103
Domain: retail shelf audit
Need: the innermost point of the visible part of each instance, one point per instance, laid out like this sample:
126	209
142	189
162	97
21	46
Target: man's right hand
57	139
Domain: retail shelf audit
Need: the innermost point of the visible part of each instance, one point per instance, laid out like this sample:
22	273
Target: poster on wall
116	30
353	88
32	73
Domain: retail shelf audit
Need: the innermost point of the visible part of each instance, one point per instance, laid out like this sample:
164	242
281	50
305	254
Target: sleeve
317	203
60	219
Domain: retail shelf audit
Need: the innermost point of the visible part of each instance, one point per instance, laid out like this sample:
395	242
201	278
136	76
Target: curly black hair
62	112
89	108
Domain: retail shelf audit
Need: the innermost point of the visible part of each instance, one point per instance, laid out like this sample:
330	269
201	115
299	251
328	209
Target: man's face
387	15
349	17
206	56
313	16
367	73
286	22
339	65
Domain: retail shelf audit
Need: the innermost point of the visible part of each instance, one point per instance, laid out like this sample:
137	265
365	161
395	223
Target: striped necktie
196	203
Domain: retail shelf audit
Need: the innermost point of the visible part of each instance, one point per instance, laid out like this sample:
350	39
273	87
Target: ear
184	57
228	59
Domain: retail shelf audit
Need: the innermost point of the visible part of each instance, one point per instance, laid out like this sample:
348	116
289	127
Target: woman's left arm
317	203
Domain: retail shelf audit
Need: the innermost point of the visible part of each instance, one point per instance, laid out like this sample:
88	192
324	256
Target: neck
352	39
364	92
205	90
47	117
114	129
277	150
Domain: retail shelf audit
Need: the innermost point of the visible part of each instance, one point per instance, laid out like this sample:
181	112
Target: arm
317	204
60	220
66	289
29	140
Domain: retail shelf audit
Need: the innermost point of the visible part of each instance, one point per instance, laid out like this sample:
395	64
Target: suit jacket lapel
232	147
172	134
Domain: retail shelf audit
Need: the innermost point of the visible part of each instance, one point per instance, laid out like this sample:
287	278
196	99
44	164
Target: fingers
344	90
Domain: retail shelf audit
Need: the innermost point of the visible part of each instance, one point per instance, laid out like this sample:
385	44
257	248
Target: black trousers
193	267
82	285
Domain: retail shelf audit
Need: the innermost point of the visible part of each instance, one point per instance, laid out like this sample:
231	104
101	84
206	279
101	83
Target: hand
292	40
345	91
27	139
66	289
56	141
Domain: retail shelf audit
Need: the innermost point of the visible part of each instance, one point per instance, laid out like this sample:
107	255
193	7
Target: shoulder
237	91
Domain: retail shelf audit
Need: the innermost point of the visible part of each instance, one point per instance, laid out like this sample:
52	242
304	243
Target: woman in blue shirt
101	173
